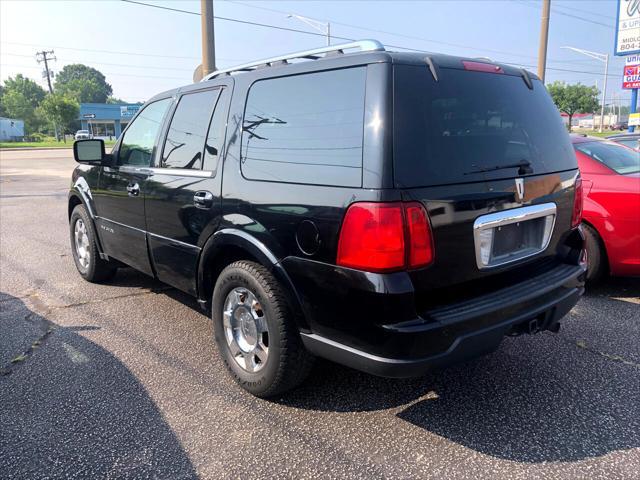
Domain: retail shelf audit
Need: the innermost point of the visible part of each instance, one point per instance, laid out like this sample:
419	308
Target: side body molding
216	245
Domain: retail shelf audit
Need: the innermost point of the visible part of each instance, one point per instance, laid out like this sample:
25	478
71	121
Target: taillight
419	241
384	237
576	216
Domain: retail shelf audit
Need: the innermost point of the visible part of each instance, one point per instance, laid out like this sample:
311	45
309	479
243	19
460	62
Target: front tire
85	248
255	331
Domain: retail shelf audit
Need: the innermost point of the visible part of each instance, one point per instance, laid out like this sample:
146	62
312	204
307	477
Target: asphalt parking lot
122	380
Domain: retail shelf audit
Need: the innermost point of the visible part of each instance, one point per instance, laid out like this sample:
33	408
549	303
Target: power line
588	20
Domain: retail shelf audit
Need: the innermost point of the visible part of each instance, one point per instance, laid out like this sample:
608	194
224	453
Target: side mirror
89	151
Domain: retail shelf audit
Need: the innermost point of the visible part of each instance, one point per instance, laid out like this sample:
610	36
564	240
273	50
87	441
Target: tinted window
215	137
185	138
631	142
137	144
616	157
306	128
471	126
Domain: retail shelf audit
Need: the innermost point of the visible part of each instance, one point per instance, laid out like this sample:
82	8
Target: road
123	380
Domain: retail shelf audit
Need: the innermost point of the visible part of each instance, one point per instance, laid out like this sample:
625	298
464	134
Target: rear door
119	198
183	190
474	144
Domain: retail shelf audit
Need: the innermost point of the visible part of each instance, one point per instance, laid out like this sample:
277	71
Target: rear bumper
444	335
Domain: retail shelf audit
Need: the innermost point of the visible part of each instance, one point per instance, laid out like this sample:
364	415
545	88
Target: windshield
617	157
471	126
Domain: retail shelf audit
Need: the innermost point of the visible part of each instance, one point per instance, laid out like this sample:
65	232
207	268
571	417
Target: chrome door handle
133	190
203	199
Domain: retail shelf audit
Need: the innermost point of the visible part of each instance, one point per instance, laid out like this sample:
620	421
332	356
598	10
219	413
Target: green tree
84	84
20	97
572	99
60	110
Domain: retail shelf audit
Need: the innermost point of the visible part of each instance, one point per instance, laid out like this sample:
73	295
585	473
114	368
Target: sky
144	50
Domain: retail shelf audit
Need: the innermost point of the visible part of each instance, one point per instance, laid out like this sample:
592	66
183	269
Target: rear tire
596	254
84	248
255	331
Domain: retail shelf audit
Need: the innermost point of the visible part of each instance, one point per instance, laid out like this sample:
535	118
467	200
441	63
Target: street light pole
603	57
323	27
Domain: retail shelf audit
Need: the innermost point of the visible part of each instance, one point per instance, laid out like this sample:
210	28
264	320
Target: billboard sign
628	27
631	76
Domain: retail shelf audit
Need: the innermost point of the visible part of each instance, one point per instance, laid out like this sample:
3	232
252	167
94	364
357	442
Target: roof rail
315	54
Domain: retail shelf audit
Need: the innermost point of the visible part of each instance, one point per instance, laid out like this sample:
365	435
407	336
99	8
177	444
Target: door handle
203	199
133	189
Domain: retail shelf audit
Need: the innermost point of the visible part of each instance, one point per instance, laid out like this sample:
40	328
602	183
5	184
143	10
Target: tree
572	99
20	97
84	84
60	110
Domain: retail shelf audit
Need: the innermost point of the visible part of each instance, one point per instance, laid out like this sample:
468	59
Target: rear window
472	126
306	128
617	157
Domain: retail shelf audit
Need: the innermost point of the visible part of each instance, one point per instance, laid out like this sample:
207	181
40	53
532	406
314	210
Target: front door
182	204
119	198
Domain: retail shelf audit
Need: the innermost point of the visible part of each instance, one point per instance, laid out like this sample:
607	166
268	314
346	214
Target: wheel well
216	264
73	203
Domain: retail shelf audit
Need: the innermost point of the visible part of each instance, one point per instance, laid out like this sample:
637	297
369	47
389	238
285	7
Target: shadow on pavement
537	399
70	408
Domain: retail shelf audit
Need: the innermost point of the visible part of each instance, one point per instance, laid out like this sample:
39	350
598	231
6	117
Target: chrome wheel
245	329
82	243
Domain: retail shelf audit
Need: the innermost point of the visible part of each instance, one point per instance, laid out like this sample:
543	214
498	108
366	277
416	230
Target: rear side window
185	139
617	157
306	128
216	135
471	126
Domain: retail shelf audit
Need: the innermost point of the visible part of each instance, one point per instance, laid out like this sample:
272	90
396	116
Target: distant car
611	188
619	126
631	140
82	134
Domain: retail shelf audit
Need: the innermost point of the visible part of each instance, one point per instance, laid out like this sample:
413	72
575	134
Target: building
106	120
11	130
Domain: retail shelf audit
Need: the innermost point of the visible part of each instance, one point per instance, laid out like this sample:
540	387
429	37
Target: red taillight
383	237
419	241
482	67
576	216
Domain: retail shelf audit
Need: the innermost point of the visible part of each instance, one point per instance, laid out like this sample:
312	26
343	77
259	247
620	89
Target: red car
611	217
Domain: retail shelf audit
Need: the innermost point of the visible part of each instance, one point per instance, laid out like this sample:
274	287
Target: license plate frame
534	224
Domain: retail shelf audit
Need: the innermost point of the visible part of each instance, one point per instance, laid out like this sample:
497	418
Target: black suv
392	212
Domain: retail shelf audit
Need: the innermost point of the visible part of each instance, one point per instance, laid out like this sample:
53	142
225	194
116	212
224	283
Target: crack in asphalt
44	310
614	358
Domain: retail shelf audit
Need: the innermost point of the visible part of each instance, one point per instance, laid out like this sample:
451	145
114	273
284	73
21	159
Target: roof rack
315	54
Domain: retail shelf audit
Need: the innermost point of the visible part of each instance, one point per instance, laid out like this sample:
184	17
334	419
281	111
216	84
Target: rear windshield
472	126
617	157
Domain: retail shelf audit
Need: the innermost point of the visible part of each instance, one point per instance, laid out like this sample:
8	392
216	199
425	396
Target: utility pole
208	37
45	56
544	38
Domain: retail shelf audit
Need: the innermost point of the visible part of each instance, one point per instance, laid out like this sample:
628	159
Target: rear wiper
524	168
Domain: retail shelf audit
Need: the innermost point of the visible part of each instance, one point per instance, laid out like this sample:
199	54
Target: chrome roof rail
315	54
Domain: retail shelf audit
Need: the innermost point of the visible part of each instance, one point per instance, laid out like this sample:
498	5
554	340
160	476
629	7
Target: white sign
628	27
633	60
634	119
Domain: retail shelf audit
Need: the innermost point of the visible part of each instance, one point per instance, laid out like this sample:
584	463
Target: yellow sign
634	119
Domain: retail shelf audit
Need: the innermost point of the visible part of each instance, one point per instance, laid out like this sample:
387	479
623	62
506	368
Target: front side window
617	157
185	139
137	143
306	128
